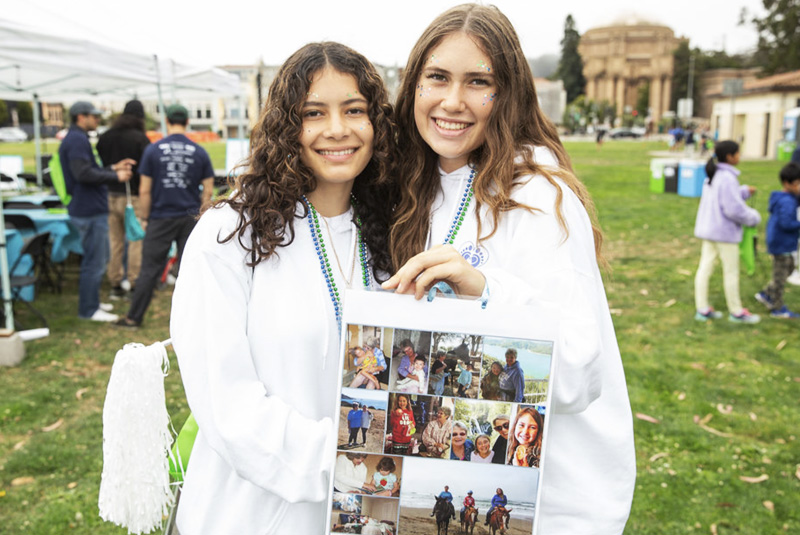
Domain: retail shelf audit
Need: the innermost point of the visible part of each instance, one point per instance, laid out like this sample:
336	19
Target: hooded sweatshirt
783	227
722	210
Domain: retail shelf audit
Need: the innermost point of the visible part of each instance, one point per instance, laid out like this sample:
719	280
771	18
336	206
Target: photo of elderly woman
515	370
455	364
409	366
365	362
436	433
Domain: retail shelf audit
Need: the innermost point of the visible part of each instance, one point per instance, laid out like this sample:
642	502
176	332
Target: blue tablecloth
65	237
14	243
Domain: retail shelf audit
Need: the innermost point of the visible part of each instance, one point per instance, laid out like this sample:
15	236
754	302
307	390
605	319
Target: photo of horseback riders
477	499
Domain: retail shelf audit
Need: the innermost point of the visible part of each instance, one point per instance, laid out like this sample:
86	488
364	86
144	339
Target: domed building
630	54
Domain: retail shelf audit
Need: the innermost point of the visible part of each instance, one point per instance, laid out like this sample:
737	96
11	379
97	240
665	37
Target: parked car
13	134
620	133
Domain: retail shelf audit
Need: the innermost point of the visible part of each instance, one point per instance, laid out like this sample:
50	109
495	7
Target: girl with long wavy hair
489	202
256	310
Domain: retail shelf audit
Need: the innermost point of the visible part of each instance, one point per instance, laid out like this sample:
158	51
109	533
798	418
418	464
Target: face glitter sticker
488	98
433	59
310	94
353	94
483	65
423	91
364	125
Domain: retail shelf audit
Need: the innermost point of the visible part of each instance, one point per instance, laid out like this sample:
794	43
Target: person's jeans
94	240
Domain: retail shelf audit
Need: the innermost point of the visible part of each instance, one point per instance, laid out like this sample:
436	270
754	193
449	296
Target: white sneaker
106	307
102	315
794	278
125	285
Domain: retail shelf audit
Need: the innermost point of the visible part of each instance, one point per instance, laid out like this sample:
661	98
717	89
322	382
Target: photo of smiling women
489	203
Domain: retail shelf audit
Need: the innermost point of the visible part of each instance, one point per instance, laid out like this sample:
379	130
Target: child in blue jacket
783	230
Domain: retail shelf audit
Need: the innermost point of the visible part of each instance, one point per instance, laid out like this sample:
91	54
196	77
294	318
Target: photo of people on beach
362	419
366	364
467	494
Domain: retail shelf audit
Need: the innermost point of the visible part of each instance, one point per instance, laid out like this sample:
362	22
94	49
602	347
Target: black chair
20	222
22	205
36	248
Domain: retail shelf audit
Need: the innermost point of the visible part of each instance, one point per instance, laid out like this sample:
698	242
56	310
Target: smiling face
336	140
459	436
454	98
526	429
483	446
402	402
503	425
497	368
419	364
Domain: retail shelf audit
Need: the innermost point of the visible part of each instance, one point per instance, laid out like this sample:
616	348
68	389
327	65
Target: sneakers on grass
784	313
127	323
708	314
117	293
764	299
745	316
102	315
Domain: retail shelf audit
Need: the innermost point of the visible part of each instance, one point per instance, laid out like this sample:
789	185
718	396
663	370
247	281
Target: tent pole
37	137
160	98
8	310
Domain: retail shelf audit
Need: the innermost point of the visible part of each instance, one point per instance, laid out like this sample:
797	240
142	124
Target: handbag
133	230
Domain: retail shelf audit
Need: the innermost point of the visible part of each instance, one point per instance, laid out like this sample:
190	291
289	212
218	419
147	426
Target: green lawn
725	396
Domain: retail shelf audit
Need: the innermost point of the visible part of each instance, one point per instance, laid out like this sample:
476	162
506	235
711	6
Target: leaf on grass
724	409
797	472
72	485
716	432
615	311
644	291
759	479
77	341
753	416
19	445
698	366
769	505
688	333
55	425
657	456
79	394
647	418
707	418
670	303
780	345
681	396
25	480
766	460
685	272
714	529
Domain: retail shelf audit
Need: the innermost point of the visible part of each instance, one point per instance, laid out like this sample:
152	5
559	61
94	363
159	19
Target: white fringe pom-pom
135	487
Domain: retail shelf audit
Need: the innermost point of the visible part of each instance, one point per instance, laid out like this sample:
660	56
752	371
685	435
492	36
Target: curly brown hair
268	191
515	126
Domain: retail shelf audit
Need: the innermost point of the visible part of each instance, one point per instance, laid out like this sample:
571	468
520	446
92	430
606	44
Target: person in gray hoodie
720	217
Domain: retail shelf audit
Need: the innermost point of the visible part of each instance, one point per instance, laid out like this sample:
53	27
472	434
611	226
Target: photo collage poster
437	425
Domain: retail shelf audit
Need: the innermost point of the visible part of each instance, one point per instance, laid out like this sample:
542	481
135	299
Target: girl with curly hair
525	446
489	202
256	310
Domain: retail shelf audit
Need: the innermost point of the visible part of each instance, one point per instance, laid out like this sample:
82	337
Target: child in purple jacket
720	217
783	229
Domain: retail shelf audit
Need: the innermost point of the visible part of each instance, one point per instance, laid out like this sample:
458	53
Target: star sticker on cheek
488	98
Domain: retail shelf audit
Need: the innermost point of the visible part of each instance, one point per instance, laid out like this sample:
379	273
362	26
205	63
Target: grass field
717	450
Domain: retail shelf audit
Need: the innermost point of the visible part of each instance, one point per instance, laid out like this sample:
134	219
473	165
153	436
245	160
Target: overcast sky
242	31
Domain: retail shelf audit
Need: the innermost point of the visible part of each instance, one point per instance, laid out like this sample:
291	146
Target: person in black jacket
125	139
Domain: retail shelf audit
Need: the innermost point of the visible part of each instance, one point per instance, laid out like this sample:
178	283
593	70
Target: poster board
406	457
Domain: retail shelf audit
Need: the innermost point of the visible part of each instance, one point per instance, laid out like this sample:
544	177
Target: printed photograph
377	516
515	370
474	438
371	474
455	365
365	363
477	498
362	419
526	435
409	366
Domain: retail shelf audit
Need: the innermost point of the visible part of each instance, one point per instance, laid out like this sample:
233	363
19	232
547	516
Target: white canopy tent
44	67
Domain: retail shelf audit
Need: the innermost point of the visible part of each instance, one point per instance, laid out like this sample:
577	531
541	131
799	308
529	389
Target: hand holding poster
443	415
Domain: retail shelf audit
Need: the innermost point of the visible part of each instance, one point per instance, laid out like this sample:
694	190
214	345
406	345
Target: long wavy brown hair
267	193
516	125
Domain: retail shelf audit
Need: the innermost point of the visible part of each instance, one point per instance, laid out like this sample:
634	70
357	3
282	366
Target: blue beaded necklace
462	209
324	263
